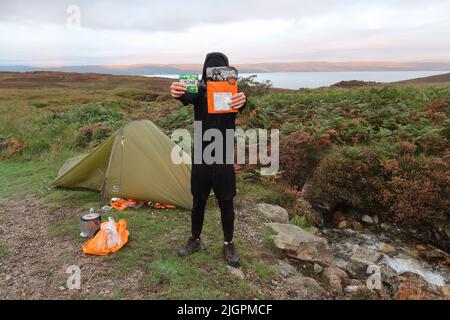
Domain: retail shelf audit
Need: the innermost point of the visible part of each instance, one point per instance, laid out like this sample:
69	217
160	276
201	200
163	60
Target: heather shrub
300	154
417	190
93	134
348	177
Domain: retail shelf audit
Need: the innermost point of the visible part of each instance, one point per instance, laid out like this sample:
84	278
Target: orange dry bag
99	244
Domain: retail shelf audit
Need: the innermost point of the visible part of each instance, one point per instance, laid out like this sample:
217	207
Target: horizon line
119	66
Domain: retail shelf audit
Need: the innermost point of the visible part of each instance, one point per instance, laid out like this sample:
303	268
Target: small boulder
367	219
336	278
273	212
300	244
360	260
285	269
357	225
435	255
308	287
376	220
344	224
317	268
338	216
420	247
236	272
387	248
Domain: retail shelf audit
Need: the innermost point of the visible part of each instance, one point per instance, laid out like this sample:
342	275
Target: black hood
214	59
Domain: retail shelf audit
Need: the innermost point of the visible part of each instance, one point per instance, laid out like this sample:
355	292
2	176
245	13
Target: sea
296	80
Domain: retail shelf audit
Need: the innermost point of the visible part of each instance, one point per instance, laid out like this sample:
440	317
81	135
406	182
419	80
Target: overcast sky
46	32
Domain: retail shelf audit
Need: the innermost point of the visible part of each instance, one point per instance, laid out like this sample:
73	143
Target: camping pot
90	224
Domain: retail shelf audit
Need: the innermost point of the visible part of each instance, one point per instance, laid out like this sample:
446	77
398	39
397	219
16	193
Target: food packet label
191	82
222	101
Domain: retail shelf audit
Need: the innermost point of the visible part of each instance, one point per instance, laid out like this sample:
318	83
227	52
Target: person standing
220	177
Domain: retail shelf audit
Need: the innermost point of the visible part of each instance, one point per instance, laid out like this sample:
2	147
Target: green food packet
191	82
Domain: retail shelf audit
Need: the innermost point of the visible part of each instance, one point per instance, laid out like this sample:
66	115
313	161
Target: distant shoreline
34	78
311	80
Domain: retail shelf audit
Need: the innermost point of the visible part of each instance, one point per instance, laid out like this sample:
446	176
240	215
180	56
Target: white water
345	242
401	266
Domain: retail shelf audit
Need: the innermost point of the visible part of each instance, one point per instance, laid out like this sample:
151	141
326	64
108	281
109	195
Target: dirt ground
35	262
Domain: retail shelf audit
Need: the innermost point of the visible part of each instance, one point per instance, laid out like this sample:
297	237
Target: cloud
144	15
127	32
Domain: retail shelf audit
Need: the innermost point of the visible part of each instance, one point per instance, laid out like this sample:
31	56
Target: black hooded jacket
221	122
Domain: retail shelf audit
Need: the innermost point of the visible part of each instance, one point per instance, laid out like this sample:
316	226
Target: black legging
226	214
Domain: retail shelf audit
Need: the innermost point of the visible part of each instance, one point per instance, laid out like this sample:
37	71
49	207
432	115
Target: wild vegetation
373	149
380	149
360	147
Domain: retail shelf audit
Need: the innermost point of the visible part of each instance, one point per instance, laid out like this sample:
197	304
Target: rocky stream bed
352	259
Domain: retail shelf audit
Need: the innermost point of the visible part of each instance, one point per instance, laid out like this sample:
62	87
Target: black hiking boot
231	255
192	245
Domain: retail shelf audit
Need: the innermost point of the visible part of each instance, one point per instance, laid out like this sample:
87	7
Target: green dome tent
134	162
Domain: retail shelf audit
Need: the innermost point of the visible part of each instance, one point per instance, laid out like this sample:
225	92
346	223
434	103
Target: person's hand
177	89
238	100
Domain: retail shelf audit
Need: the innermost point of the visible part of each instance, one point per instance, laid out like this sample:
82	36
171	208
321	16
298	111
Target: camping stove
90	224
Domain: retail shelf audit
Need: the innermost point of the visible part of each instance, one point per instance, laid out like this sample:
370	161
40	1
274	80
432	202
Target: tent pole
105	183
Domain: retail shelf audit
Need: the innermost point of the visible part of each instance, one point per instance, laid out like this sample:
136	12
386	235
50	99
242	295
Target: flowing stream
404	259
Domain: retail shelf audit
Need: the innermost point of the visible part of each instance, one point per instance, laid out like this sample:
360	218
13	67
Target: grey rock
360	260
236	272
344	224
336	278
273	212
376	220
285	269
317	268
435	254
367	219
300	244
387	248
308	287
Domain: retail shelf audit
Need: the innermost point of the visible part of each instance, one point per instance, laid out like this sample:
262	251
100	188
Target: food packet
221	85
191	82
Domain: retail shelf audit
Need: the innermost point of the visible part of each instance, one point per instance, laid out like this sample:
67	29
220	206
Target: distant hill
129	70
437	79
440	78
310	66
